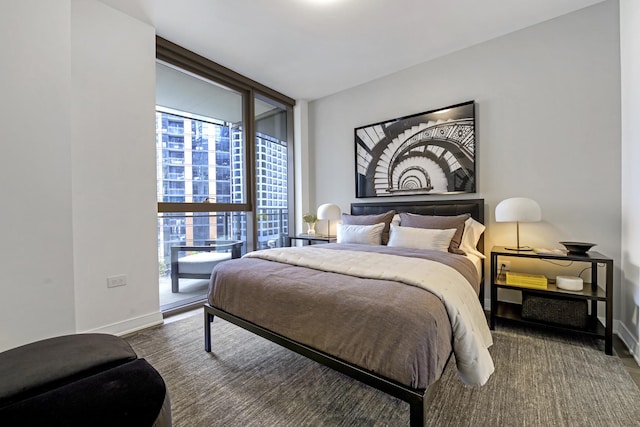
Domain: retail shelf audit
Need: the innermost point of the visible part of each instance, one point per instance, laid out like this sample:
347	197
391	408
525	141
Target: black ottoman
80	380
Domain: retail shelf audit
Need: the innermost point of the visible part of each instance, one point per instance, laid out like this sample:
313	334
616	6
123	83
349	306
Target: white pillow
363	234
470	237
421	238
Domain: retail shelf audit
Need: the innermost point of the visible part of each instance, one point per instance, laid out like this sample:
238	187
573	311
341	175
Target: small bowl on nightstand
577	248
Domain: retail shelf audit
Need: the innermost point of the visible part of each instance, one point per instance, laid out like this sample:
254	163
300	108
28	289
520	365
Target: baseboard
130	325
628	339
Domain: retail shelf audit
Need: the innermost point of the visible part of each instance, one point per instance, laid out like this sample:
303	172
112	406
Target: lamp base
520	249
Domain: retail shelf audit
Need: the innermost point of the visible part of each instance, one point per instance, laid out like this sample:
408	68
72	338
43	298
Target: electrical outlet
115	281
505	266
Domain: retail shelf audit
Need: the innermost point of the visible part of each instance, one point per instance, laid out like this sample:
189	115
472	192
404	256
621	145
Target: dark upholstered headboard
475	207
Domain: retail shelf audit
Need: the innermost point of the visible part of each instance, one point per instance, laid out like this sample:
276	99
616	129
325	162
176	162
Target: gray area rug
540	380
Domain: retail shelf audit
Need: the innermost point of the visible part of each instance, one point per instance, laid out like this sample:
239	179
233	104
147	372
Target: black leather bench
80	380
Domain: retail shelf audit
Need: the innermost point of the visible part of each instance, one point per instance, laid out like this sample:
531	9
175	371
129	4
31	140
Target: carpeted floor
540	380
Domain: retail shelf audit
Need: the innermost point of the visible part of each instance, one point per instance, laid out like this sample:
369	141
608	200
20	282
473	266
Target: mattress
477	263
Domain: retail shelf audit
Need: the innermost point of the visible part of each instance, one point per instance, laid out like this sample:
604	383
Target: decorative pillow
439	223
470	237
371	220
421	238
364	234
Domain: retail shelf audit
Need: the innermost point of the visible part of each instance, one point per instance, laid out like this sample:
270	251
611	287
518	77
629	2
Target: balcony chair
200	265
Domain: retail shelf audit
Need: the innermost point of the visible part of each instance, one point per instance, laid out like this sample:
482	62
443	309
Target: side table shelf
591	292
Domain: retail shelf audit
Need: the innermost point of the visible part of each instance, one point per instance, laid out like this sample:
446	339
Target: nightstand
308	239
591	293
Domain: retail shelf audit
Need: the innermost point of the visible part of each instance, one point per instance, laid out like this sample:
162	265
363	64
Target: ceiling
308	49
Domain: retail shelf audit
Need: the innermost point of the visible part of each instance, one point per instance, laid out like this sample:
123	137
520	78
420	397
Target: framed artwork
426	153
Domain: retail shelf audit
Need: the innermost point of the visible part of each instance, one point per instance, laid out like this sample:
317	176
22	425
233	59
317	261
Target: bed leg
208	318
421	406
416	414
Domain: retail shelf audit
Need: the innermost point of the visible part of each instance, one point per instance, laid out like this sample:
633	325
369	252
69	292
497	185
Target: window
212	126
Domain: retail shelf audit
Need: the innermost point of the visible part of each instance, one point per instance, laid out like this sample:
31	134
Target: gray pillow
371	220
439	223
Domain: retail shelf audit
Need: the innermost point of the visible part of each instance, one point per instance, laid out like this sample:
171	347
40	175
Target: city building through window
218	196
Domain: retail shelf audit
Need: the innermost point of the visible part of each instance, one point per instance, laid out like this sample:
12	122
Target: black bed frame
417	398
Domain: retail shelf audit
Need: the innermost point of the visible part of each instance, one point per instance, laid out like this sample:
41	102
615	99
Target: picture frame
432	152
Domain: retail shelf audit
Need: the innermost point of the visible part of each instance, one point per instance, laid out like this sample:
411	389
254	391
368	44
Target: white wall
114	170
302	161
548	124
78	190
37	294
630	65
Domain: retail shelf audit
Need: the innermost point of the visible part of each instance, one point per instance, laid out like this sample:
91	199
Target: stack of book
526	280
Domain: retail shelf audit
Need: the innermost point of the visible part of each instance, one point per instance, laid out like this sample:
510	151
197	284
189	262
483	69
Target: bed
393	333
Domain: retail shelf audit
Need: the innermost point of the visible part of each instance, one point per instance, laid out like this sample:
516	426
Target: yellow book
526	280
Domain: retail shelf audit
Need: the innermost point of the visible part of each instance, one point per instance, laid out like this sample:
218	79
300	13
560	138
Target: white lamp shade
518	209
329	211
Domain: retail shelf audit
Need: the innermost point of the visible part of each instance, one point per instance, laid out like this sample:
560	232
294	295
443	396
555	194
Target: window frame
180	57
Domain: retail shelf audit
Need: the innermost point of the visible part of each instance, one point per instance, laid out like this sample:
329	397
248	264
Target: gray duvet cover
398	331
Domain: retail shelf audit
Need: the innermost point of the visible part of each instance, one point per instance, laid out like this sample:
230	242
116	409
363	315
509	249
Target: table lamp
518	209
329	211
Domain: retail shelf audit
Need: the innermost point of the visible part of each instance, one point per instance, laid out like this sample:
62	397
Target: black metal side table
307	239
